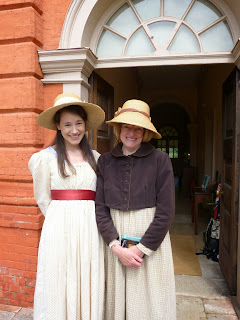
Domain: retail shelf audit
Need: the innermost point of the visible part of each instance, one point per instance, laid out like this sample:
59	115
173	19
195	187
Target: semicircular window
157	27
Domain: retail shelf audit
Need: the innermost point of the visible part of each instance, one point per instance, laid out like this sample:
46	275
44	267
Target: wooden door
102	94
230	180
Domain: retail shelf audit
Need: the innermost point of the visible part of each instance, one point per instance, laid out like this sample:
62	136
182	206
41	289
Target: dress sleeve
96	155
165	205
103	217
40	171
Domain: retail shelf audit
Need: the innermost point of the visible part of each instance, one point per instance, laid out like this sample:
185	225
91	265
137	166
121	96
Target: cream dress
145	293
70	272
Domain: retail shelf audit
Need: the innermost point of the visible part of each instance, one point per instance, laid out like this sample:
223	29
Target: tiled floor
198	298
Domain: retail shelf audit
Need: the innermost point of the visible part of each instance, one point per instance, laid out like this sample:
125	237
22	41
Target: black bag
211	240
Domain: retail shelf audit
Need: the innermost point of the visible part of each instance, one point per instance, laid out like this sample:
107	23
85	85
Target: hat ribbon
132	110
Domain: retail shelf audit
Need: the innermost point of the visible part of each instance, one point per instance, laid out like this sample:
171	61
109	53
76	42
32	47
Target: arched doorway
172	121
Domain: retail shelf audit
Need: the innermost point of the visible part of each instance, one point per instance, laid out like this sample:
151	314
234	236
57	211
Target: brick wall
24	25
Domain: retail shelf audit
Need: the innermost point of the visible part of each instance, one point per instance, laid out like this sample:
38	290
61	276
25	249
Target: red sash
73	195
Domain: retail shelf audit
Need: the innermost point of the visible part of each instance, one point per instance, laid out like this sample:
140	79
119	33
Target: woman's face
131	136
72	127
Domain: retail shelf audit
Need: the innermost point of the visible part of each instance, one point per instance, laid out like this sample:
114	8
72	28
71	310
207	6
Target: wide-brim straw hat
95	114
137	113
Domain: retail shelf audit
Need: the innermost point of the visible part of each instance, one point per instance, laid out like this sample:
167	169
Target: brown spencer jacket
142	180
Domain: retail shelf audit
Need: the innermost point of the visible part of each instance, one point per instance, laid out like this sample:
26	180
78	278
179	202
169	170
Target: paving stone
190	308
24	314
221	317
219	306
200	287
5	315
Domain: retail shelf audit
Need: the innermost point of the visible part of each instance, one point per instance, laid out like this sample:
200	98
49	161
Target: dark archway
173	121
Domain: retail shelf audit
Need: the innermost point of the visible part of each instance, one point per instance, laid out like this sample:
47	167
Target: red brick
19	265
31	283
30	298
9	295
18	24
25	93
4	271
4	286
26	304
27	242
20	233
19	59
20	249
38	4
27	290
24	134
27	274
20	297
4	300
14	302
13	272
14	288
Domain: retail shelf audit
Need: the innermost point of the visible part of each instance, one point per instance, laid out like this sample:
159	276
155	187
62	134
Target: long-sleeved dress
70	272
135	197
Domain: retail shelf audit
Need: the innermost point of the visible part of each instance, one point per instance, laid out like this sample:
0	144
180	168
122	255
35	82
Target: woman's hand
129	257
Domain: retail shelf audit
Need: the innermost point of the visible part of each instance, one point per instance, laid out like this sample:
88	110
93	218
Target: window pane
147	9
139	44
184	41
202	14
161	31
171	153
217	38
175	8
124	20
175	153
109	45
161	143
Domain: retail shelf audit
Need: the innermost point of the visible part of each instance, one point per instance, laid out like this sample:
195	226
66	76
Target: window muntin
169	141
147	9
135	46
184	41
176	8
165	26
202	14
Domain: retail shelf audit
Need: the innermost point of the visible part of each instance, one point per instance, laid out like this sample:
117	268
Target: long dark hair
60	143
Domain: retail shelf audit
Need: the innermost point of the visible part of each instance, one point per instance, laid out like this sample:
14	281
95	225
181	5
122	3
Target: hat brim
135	119
95	115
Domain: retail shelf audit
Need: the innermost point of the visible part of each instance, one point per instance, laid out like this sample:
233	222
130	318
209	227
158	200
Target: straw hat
137	113
95	114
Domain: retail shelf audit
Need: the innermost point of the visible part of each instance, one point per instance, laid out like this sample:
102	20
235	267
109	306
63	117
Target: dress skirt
145	293
70	278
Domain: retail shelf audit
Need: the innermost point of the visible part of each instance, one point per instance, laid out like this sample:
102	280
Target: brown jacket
142	180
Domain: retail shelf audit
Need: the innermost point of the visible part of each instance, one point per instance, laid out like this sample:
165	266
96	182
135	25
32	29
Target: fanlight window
169	141
147	27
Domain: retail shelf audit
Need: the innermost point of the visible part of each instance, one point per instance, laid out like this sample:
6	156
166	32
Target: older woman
135	199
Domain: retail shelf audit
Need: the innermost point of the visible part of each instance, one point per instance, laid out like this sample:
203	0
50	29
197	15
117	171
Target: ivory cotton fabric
146	293
70	273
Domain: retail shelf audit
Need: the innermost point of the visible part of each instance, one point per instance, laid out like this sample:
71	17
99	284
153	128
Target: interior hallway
206	296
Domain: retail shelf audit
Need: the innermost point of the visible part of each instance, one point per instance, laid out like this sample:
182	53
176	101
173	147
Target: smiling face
72	128
131	137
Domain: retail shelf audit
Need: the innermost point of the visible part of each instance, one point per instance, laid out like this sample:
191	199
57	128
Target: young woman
135	200
70	279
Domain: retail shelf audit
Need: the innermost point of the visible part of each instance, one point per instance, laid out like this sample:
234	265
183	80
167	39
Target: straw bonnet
95	114
137	113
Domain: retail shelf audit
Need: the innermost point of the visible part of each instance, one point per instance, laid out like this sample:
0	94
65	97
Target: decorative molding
67	65
205	58
236	53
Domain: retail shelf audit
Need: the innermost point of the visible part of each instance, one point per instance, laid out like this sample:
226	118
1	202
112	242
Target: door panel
230	181
102	94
